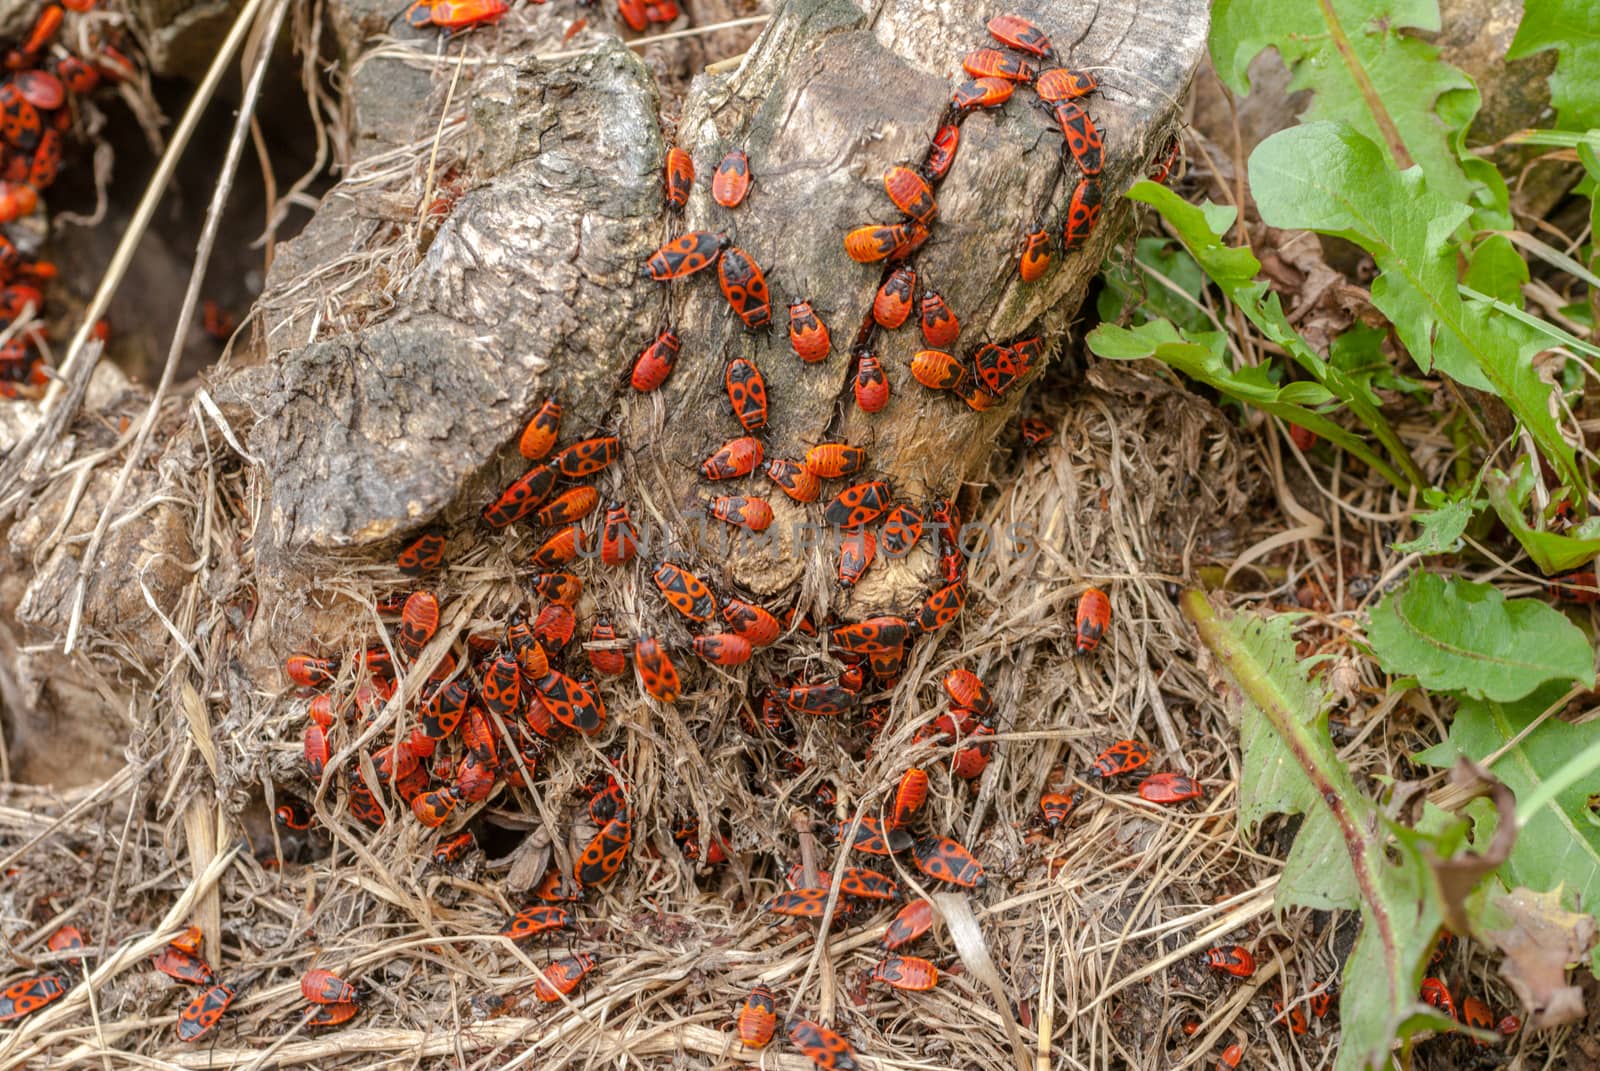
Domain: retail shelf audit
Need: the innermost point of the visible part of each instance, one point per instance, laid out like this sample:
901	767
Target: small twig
692	31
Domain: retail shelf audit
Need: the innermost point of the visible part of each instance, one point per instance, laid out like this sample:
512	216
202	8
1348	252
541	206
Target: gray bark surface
533	287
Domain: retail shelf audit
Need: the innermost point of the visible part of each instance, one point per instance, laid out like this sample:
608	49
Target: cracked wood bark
533	287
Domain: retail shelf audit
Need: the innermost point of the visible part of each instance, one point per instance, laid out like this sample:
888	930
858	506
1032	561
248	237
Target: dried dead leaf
1458	876
1540	942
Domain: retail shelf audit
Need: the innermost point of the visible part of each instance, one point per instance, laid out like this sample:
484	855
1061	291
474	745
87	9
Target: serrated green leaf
1359	354
1290	765
1558	846
1497	269
1317	874
1453	635
1442	526
1352	193
1552	552
1572	28
1368	69
1234	271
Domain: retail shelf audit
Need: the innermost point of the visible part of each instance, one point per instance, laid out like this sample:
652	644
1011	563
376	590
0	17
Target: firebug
906	972
857	505
608	661
1083	212
655	362
679	175
892	306
749	621
832	460
752	513
795	479
941	608
1083	139
992	63
758	1018
587	457
1064	83
940	328
910	193
685	592
1018	33
824	1047
875	242
27	995
723	649
522	497
945	860
745	286
419	620
534	920
856	552
747	393
563	976
1036	256
941	151
619	539
324	987
1231	959
937	370
807	333
309	671
423	554
657	675
872	387
1124	756
1169	788
604	855
909	923
731	181
1093	618
685	255
980	93
201	1014
798	903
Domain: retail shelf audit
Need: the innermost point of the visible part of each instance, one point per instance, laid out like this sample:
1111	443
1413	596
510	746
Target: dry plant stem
433	152
62	398
974	952
191	296
692	31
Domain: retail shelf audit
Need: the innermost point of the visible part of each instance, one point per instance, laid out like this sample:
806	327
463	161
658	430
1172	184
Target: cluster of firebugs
514	703
37	111
1237	962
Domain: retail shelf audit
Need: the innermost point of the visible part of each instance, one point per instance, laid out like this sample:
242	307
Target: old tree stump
532	286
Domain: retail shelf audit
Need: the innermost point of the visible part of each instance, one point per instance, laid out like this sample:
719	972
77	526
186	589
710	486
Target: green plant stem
1369	92
1294	728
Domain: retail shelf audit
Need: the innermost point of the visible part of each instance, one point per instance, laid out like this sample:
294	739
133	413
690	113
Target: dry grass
1062	919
